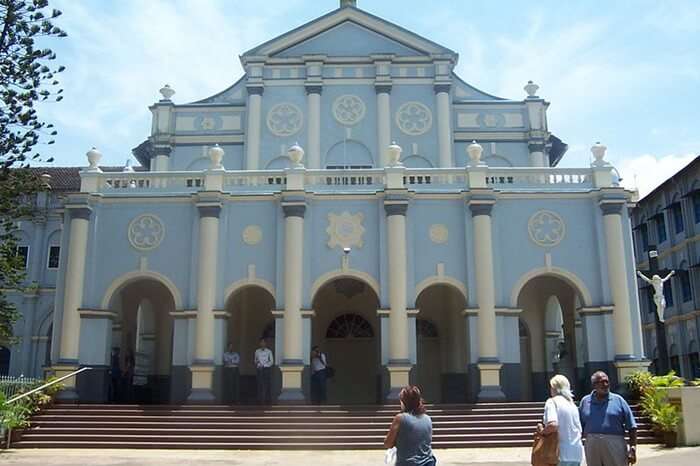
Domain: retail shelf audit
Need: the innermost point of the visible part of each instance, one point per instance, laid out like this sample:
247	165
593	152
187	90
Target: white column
537	157
292	362
161	161
399	362
252	155
488	363
383	122
442	95
73	297
313	144
203	364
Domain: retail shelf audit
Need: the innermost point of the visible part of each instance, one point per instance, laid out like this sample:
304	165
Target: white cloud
646	172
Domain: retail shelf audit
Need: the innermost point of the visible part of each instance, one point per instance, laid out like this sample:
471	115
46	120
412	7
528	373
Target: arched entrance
347	329
143	333
549	315
251	318
441	344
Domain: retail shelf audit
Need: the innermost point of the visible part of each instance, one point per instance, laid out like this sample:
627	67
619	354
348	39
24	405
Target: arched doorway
441	348
143	333
347	329
251	319
548	304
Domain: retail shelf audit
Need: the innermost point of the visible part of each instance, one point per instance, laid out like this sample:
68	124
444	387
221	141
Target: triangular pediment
349	32
348	39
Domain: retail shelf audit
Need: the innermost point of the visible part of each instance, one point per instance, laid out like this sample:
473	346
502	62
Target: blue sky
625	73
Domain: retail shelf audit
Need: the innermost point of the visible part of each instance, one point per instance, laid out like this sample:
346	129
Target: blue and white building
350	190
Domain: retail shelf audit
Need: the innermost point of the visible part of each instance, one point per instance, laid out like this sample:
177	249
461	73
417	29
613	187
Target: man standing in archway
319	366
263	366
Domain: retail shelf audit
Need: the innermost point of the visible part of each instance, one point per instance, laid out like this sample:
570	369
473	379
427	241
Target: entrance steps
278	427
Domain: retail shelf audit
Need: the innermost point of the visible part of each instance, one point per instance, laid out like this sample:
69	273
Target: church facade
350	191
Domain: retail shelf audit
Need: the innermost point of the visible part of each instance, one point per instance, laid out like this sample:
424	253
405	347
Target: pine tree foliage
28	76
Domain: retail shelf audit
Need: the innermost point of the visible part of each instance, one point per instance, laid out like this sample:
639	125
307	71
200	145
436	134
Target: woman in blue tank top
411	431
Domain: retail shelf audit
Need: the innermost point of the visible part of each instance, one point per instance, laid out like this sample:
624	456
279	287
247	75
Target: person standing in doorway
319	375
115	374
605	416
263	365
231	361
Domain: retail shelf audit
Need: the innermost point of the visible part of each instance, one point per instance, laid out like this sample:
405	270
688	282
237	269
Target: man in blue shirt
605	417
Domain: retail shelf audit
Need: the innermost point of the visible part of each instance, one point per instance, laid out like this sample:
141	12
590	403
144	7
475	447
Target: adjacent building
667	220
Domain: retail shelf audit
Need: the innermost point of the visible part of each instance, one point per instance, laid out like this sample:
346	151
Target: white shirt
263	358
318	364
565	413
231	359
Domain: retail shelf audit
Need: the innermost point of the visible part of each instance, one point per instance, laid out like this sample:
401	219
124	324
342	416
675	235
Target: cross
663	365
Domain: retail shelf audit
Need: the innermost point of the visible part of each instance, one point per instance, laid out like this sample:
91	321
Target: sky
625	73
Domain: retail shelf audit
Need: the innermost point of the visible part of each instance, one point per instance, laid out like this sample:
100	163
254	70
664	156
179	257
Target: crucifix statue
658	284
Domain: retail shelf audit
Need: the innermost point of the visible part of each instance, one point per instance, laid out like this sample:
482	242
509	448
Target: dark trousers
231	391
318	387
264	377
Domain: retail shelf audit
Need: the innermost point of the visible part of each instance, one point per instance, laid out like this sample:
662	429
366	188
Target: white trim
236	286
129	277
565	275
48	256
441	280
348	273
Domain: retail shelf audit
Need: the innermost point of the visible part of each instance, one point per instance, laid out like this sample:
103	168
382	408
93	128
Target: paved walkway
648	455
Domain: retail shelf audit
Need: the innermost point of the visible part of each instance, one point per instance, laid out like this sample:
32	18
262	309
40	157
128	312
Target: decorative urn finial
296	154
394	152
344	3
167	92
93	156
474	150
598	151
127	166
531	89
216	155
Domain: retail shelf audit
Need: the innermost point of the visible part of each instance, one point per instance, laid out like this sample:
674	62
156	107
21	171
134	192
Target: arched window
349	326
426	329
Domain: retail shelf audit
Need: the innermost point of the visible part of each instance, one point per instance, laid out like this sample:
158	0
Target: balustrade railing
359	180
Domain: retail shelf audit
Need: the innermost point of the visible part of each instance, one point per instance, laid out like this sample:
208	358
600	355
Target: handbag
390	456
545	449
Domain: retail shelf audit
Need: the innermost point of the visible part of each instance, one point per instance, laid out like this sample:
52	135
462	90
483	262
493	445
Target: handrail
22	395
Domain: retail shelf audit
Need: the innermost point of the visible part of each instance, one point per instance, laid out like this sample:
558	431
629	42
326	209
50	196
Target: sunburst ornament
345	230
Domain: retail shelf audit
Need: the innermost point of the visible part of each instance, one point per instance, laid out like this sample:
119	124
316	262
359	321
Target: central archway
346	327
143	333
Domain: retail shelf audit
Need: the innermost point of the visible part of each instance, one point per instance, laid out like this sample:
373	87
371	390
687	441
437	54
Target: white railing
151	181
557	178
339	179
255	180
358	180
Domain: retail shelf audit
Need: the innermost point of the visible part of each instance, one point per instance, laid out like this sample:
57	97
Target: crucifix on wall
657	284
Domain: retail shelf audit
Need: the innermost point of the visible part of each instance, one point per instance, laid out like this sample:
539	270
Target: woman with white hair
561	416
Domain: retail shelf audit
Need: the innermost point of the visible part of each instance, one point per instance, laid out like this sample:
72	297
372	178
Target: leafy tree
27	77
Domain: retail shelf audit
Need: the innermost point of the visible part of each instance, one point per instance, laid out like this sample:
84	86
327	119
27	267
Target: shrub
638	383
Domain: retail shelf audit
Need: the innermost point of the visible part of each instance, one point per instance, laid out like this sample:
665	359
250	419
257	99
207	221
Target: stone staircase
277	427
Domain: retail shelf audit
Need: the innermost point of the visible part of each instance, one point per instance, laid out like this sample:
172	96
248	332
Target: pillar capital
481	207
162	150
536	146
294	210
313	88
382	88
396	208
441	87
82	213
612	208
209	210
255	89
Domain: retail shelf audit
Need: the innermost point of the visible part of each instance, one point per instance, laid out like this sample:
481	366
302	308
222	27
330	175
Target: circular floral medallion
284	119
348	109
546	228
252	235
345	230
146	232
414	118
439	233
